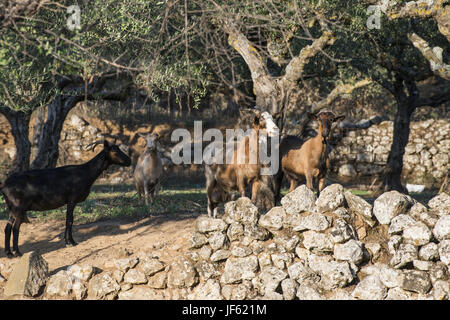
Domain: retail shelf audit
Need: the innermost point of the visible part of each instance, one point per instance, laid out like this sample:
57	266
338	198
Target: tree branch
338	91
433	56
295	68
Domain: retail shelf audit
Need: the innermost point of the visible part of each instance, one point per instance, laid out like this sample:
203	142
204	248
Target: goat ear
339	118
311	115
256	121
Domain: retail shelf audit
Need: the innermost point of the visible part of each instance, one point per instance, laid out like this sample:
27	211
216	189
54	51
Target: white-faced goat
47	189
149	169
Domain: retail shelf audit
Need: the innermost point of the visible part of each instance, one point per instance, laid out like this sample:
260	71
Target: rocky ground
337	246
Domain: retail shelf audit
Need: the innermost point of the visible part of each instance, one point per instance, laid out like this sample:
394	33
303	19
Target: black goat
48	189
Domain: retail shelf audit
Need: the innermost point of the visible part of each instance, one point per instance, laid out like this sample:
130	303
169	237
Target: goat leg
69	222
15	230
8	229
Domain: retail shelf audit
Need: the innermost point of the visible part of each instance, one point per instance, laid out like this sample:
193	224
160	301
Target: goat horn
93	145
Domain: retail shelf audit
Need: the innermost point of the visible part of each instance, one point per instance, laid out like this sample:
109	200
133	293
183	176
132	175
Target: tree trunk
19	122
406	104
48	150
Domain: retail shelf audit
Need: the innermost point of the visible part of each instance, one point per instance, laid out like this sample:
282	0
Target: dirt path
101	242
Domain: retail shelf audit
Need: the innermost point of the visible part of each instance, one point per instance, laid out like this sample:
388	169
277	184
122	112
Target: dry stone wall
336	246
365	152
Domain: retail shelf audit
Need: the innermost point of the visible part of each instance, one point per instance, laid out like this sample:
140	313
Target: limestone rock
220	255
417	234
158	281
218	240
103	286
59	284
416	281
182	274
441	229
238	269
125	264
289	289
313	221
405	254
197	240
319	242
351	251
242	210
81	271
150	266
370	288
444	251
400	223
360	207
235	231
306	292
299	200
330	198
440	204
141	293
134	276
28	276
273	219
342	231
429	252
210	290
389	205
206	224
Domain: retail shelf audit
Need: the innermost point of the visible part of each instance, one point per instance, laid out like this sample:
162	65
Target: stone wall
336	246
365	152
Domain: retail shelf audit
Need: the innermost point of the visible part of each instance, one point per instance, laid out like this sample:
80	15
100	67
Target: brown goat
222	179
308	159
149	169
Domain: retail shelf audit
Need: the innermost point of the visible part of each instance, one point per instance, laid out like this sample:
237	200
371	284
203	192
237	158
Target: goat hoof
17	253
71	244
9	255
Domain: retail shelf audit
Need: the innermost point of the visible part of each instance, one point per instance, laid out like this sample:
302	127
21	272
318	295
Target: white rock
59	285
330	198
422	265
417	234
405	254
103	285
83	272
306	292
206	224
150	266
389	205
342	231
289	289
370	288
273	219
271	278
317	241
444	251
313	221
126	263
429	252
441	229
210	290
299	200
390	277
441	290
400	223
360	207
398	294
220	255
218	240
134	276
238	269
351	250
440	204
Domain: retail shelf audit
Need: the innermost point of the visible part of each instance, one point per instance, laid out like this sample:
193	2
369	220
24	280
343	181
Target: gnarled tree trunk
19	122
